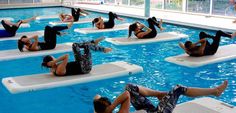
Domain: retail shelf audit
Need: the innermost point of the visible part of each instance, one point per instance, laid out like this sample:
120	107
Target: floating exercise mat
35	82
44	17
6	18
26	25
166	36
81	21
19	35
224	53
205	105
16	54
202	105
124	26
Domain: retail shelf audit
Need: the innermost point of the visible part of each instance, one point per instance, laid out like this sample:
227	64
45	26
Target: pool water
158	74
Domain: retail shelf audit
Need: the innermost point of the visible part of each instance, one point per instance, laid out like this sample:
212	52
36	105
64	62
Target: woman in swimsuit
203	47
50	39
75	15
150	32
100	24
82	63
137	96
11	28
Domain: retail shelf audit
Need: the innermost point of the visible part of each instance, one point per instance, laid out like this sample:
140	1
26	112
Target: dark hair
187	44
95	20
132	27
47	59
101	104
21	43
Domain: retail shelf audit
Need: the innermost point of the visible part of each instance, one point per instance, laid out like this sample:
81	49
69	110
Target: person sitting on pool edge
82	63
205	48
100	24
137	95
11	28
150	32
50	39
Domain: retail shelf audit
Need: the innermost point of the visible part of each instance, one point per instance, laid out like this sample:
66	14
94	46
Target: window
198	6
173	4
223	7
156	4
21	1
138	3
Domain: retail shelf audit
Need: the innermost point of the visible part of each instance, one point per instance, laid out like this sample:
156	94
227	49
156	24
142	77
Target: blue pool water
158	74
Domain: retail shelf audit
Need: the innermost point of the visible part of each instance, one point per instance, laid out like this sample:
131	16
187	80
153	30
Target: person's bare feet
98	40
220	89
106	50
160	25
233	35
234	21
69	25
119	18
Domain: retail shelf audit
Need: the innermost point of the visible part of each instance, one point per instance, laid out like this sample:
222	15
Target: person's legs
168	103
75	14
153	33
10	27
84	59
149	92
216	41
158	24
138	100
28	20
50	38
217	91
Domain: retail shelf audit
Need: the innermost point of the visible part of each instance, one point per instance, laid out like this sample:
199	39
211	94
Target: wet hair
132	27
101	104
47	59
95	20
187	44
21	43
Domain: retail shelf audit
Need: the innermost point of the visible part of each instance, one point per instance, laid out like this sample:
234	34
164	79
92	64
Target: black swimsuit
153	33
110	23
210	49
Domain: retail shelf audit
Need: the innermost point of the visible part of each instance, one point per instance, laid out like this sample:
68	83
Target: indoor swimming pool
158	74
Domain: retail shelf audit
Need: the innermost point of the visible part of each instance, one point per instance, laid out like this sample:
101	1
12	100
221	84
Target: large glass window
138	3
198	6
156	4
173	4
223	7
109	1
3	1
125	2
21	1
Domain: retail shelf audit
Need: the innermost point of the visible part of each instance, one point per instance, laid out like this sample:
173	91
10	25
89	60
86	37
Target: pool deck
193	20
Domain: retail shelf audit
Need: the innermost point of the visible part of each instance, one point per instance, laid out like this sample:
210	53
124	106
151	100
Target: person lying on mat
137	95
50	39
150	31
203	47
82	63
100	24
75	15
10	28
